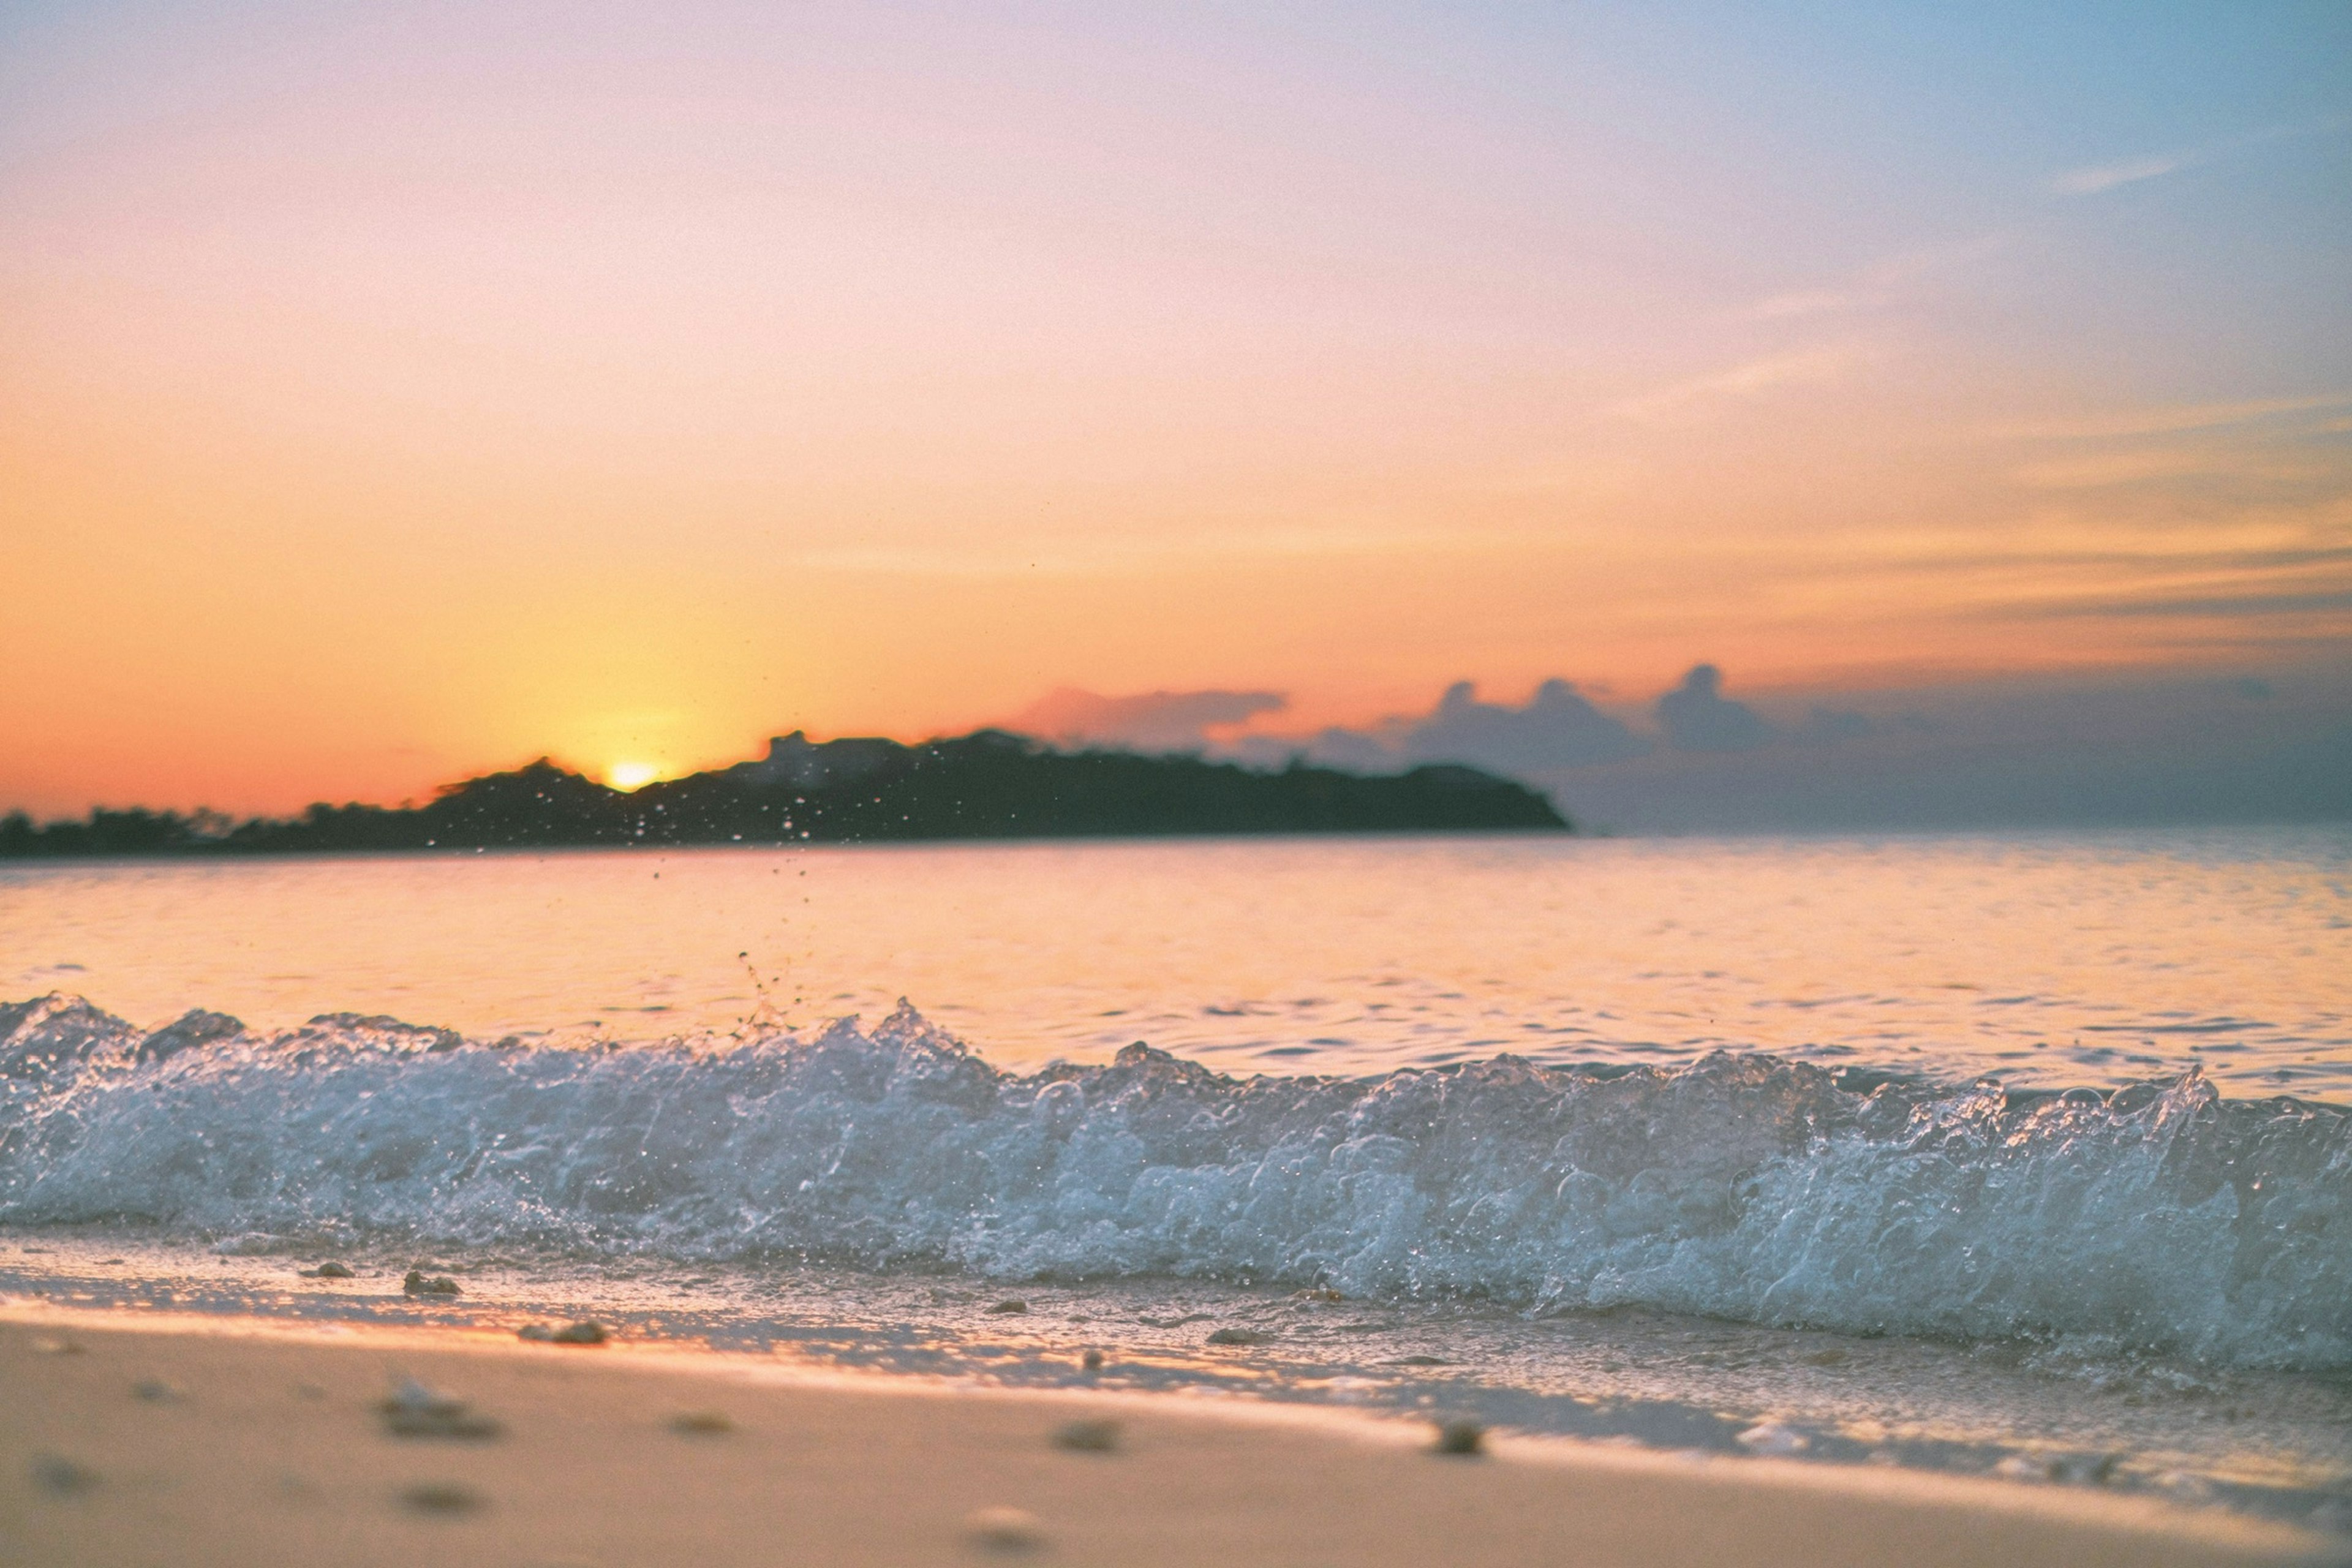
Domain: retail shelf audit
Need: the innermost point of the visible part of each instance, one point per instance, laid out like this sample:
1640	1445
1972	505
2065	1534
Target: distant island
987	784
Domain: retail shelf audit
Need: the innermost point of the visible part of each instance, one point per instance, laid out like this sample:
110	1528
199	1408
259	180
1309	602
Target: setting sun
632	776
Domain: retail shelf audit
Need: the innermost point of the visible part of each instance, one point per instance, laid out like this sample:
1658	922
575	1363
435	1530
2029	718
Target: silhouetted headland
987	784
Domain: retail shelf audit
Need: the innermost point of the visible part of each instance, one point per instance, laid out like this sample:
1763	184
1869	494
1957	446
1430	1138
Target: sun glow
632	776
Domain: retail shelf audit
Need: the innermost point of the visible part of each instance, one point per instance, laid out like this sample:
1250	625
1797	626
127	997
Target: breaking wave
2157	1216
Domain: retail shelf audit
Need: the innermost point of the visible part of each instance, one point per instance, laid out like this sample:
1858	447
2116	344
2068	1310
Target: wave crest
1742	1186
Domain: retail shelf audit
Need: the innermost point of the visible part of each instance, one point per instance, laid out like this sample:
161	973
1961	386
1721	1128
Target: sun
632	776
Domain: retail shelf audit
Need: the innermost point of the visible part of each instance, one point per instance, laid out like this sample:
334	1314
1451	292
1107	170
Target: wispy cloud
2101	470
1067	557
2162	421
2225	606
1816	366
2092	178
2096	177
1874	284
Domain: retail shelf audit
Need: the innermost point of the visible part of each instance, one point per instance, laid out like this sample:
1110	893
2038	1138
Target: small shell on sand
61	1477
1005	1529
1460	1439
1087	1436
587	1332
1772	1438
418	1283
328	1270
1237	1337
416	1411
1009	1307
48	1346
443	1498
701	1424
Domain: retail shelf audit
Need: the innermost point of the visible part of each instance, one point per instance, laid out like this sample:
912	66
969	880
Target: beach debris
1009	1307
1318	1293
442	1498
416	1411
61	1477
1174	1322
1460	1439
419	1283
1004	1530
586	1332
1771	1437
1237	1337
331	1269
155	1391
701	1424
2092	1469
1092	1361
1091	1437
2026	1467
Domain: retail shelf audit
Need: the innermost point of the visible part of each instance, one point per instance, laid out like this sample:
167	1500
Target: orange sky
383	399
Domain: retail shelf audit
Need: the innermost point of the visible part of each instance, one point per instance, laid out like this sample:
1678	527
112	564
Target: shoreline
189	1439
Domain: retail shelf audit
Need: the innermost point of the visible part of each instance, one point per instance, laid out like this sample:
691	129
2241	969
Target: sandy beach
192	1441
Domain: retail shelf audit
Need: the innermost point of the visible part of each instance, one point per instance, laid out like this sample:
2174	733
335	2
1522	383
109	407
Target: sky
390	394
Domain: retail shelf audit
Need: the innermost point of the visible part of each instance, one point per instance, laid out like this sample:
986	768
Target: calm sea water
2011	1155
2058	959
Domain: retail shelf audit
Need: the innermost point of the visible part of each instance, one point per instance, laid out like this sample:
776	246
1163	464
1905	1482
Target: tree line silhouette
987	784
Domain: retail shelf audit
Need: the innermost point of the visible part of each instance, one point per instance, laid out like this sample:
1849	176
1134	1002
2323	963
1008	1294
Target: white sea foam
2159	1217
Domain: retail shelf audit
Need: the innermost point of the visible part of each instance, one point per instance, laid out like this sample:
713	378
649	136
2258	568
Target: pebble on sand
155	1391
443	1498
701	1424
1005	1529
1092	1361
46	1345
418	1283
328	1270
1009	1307
1087	1436
587	1332
61	1477
1237	1337
1460	1439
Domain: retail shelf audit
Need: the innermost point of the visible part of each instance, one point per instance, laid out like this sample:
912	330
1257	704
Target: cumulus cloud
1557	729
1835	724
1697	717
1147	722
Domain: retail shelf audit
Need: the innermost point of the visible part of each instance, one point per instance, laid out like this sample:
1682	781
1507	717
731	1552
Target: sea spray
2158	1217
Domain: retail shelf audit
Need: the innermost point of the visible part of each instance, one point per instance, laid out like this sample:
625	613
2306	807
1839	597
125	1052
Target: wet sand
193	1442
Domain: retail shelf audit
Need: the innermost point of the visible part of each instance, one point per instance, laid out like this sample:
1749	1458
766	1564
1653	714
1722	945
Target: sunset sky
389	393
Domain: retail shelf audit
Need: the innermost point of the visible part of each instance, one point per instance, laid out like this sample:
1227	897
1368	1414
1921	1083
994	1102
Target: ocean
2018	1154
